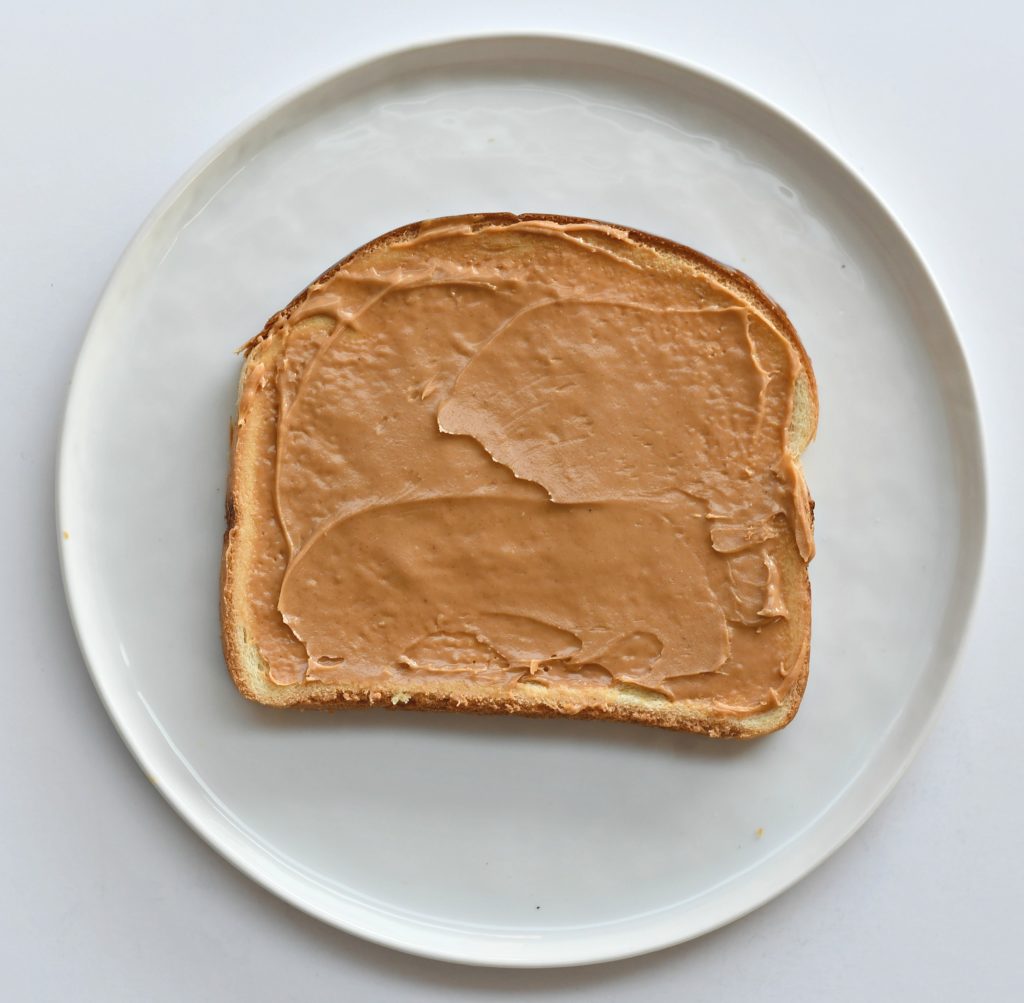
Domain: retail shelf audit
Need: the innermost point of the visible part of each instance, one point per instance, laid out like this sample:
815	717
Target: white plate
493	840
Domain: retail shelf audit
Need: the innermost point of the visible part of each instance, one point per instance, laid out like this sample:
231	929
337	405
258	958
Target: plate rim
481	950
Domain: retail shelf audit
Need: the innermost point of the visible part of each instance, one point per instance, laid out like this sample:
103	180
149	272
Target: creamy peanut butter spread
527	454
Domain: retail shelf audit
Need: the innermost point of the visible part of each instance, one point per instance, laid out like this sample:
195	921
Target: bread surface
616	701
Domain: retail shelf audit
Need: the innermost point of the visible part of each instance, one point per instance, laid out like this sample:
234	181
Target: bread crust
553	699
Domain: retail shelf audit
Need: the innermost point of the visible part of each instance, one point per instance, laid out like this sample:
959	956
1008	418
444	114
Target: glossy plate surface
489	840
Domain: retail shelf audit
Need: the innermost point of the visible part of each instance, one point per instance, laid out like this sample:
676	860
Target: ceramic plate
491	840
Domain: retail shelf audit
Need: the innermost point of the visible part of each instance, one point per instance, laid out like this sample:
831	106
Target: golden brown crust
249	673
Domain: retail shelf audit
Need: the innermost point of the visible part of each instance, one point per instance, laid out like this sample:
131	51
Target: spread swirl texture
522	453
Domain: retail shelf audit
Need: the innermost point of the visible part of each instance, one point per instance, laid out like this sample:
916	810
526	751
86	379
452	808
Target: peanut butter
524	453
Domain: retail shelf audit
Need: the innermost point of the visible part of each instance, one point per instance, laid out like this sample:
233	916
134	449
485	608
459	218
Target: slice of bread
265	657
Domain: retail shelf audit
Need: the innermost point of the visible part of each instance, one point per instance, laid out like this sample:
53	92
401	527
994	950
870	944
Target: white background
104	893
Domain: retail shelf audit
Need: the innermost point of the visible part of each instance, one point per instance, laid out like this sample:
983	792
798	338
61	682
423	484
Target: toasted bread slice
262	651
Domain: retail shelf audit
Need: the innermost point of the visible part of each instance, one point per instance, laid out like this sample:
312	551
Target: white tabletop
107	895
